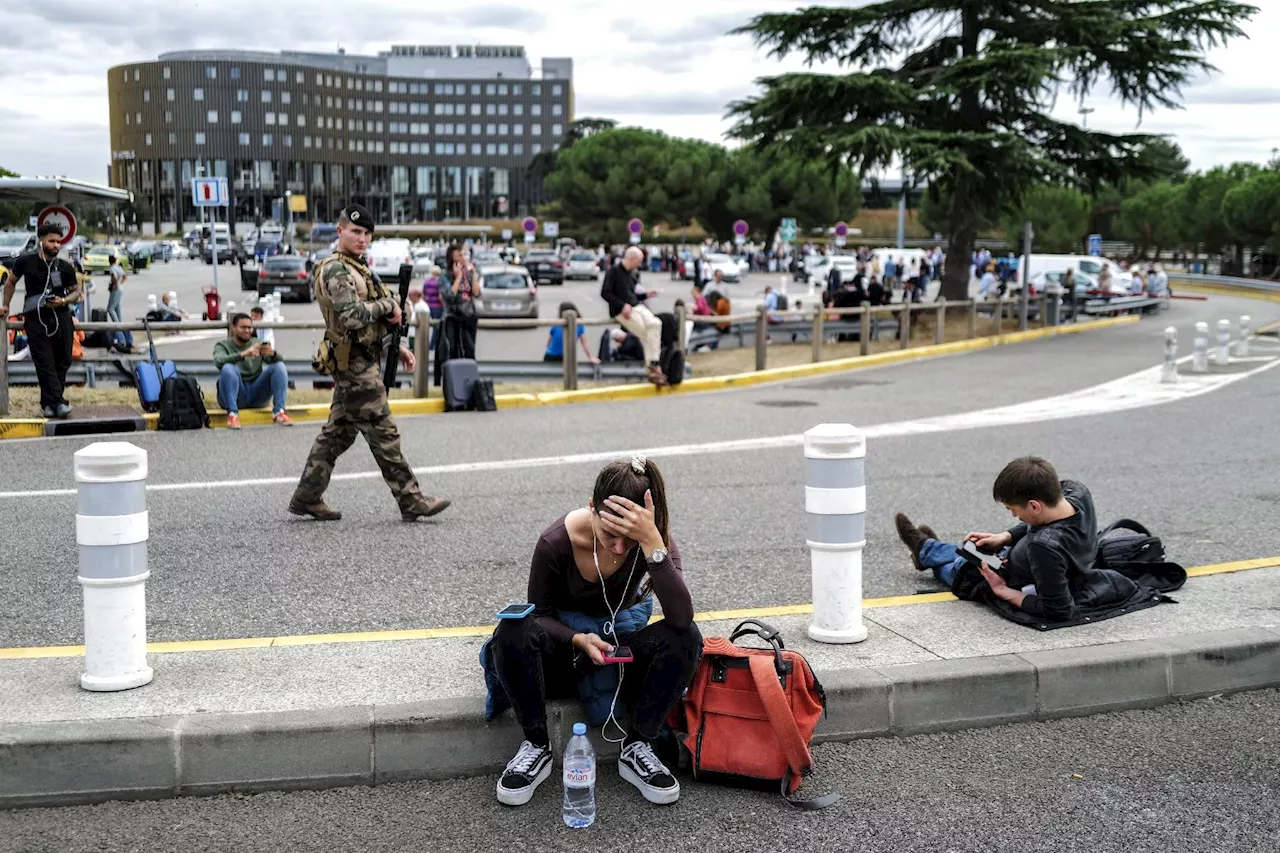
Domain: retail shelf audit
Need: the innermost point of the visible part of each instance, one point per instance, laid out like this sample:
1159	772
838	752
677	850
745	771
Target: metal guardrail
1225	281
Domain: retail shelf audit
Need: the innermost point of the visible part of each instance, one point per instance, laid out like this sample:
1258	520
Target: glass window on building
499	180
269	75
211	117
137	75
535	129
299	78
517	89
377	85
336	179
306	142
475	88
491	88
268	139
165	72
557	90
535	148
146	95
502	88
302	120
400	180
328	80
502	130
491	148
426	180
173	138
536	89
168	116
242	96
491	109
517	129
502	109
517	109
503	149
197	94
269	118
148	139
556	110
211	72
186	172
199	137
166	173
557	130
137	118
266	96
235	72
244	139
285	97
282	118
475	109
517	149
287	141
490	130
476	148
475	130
319	79
235	116
168	94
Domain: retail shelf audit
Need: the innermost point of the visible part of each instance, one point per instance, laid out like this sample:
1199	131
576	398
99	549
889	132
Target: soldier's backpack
182	404
483	398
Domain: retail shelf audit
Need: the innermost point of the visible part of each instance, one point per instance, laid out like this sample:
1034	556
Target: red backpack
749	714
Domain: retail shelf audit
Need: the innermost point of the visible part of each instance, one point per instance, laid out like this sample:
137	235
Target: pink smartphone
620	654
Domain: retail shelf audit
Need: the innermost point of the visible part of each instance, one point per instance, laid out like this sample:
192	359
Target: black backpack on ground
1127	541
182	404
483	398
100	338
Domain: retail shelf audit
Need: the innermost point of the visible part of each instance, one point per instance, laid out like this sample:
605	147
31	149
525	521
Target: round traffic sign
530	224
635	226
55	215
740	228
842	229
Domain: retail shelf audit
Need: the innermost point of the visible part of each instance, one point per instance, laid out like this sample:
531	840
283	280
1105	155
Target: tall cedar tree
967	106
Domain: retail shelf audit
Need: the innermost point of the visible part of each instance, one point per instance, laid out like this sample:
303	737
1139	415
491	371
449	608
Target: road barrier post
904	325
1242	345
973	318
817	334
1222	356
421	355
112	532
1169	372
1200	359
940	317
762	337
570	350
864	331
835	502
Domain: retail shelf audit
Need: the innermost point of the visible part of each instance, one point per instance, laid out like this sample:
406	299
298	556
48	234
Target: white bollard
783	281
1200	361
1242	345
152	302
835	500
1222	355
173	299
112	532
1169	373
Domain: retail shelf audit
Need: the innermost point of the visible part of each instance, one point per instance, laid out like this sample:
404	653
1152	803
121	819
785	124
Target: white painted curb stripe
112	529
835	501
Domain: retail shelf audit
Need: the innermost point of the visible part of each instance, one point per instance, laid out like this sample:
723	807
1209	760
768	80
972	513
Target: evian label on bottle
580	776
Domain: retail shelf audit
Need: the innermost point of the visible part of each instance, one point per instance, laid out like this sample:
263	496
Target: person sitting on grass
1051	551
251	372
555	340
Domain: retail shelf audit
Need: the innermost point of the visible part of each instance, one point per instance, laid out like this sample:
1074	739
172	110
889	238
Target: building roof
58	191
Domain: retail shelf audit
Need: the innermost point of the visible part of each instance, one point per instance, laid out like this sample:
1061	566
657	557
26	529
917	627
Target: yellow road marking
481	631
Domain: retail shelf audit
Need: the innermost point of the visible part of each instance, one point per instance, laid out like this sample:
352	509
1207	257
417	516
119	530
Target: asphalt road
229	561
188	277
1198	776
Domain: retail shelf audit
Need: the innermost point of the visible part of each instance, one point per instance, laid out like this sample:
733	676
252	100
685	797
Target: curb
92	761
1221	290
34	428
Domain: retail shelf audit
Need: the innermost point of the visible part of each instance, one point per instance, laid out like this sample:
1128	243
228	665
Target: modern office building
420	133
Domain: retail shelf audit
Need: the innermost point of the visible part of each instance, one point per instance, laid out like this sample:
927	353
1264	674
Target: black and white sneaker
639	766
529	769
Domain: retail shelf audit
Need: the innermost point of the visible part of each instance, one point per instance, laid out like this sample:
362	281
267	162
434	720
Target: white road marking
1135	391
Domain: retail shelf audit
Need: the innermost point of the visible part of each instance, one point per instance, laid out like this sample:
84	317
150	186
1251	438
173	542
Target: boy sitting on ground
1048	564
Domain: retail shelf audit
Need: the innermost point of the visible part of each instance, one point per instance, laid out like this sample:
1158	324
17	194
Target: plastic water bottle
579	780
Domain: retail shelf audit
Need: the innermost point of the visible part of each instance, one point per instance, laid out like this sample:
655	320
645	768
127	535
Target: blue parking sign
1095	245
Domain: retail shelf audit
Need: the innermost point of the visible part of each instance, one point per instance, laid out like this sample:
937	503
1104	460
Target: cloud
693	103
1242	96
695	31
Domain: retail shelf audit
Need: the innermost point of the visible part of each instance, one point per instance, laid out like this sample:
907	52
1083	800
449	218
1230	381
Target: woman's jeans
534	667
113	314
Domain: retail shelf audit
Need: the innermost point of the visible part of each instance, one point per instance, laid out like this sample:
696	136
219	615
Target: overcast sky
663	64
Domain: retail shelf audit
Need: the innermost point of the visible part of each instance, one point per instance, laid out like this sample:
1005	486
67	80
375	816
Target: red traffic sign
56	215
530	224
635	226
740	228
842	229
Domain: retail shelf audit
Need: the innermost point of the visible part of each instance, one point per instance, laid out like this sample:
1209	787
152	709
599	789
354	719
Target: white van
386	256
1090	264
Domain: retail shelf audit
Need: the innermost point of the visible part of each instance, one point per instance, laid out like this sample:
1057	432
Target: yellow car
99	258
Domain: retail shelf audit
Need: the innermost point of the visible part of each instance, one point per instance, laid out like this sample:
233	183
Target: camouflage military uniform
354	306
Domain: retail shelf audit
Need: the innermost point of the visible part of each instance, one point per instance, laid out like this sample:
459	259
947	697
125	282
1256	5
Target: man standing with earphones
51	289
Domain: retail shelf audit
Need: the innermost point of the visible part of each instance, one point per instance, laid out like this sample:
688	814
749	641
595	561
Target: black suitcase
460	374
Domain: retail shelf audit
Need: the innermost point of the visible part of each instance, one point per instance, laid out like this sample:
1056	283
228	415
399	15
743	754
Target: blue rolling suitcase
149	376
460	375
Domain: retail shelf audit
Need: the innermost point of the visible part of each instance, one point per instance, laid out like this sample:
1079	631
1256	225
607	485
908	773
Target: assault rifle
397	332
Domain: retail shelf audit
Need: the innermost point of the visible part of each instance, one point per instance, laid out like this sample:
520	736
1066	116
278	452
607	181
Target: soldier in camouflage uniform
357	310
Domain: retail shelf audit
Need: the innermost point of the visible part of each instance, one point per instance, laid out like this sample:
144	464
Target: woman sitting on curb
585	585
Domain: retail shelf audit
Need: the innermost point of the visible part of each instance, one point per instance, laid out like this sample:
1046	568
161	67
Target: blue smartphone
515	611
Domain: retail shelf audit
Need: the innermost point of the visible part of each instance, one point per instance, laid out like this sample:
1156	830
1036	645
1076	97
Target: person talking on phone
52	288
589	585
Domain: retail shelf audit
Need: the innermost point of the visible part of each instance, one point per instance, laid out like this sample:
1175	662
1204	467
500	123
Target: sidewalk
342	713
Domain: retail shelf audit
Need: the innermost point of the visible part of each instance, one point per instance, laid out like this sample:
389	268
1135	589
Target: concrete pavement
1198	777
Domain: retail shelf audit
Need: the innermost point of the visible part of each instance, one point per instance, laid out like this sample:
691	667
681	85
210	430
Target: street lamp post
1084	117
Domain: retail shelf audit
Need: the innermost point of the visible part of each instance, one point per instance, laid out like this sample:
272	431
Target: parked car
286	275
511	255
322	233
177	250
583	265
267	246
386	256
487	257
506	292
15	243
544	265
728	267
99	258
820	269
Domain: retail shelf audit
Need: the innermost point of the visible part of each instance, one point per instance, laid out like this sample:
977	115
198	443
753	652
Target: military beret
358	214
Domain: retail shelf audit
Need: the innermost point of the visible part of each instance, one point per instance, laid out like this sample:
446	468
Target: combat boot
318	510
423	507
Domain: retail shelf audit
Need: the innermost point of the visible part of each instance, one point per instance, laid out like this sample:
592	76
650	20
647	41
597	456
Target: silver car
506	293
583	265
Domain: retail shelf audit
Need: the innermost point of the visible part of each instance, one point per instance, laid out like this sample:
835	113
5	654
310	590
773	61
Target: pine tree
960	91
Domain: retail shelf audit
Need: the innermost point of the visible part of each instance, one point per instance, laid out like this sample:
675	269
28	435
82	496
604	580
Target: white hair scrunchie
638	463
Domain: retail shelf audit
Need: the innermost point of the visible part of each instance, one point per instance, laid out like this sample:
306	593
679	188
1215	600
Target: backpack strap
1126	524
799	760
